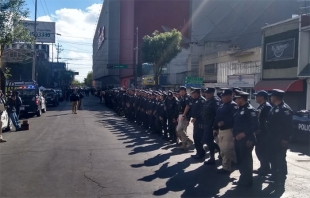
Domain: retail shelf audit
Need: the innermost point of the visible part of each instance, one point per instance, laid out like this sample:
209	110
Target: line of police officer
232	122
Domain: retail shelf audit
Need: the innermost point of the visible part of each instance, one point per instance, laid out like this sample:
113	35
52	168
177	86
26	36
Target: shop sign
280	50
241	80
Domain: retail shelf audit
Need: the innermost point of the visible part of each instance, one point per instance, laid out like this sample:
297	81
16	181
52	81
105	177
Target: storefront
280	62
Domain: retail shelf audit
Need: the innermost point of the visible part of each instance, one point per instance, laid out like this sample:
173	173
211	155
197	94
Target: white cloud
77	28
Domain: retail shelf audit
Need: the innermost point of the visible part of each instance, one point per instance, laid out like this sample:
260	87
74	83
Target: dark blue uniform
280	127
209	113
245	121
262	138
172	115
196	113
225	113
184	101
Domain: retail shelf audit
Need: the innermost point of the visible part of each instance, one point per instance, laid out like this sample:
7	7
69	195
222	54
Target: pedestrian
245	127
74	99
222	128
183	119
261	146
2	103
280	128
18	104
209	113
198	122
11	109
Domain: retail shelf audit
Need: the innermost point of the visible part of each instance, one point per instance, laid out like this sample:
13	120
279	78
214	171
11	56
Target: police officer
280	127
208	114
163	114
183	119
151	110
171	104
198	122
157	111
222	128
245	127
261	134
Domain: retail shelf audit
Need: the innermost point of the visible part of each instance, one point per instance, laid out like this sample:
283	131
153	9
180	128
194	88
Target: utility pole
59	50
35	42
137	57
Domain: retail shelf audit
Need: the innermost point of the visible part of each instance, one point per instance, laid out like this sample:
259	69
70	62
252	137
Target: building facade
226	38
281	56
125	24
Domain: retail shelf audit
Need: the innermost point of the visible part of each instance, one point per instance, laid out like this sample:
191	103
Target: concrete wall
304	50
178	65
127	37
226	62
108	53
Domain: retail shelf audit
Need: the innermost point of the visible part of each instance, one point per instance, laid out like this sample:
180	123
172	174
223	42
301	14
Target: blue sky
76	21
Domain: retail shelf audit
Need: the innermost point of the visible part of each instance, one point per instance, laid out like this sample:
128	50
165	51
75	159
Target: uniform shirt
280	122
184	101
172	108
74	97
225	113
162	110
246	121
263	111
209	110
196	108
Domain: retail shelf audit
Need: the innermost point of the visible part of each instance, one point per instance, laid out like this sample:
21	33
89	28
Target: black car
51	97
32	101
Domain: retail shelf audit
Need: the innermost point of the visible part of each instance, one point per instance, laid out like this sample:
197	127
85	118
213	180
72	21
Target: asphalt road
98	154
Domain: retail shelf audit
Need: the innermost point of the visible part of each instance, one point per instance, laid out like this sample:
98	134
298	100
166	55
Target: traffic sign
193	80
117	66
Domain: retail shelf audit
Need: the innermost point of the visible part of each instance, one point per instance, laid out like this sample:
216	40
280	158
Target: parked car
32	101
51	97
6	122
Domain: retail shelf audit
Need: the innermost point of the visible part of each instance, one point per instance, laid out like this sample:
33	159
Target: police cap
261	93
170	94
278	93
210	90
226	92
204	90
195	90
235	89
241	94
182	88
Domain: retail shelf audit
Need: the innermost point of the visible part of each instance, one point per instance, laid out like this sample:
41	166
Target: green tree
11	28
88	81
76	83
160	48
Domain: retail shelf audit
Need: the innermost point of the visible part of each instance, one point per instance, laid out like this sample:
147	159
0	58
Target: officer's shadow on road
201	182
131	134
256	190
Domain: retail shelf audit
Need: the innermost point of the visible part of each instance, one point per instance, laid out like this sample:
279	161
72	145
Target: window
210	69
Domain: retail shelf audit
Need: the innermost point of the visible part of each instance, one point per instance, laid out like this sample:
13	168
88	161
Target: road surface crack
91	168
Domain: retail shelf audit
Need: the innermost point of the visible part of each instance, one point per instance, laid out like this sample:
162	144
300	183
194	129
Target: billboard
280	50
45	30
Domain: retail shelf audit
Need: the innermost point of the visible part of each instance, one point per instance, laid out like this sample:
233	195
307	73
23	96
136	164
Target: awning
285	85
